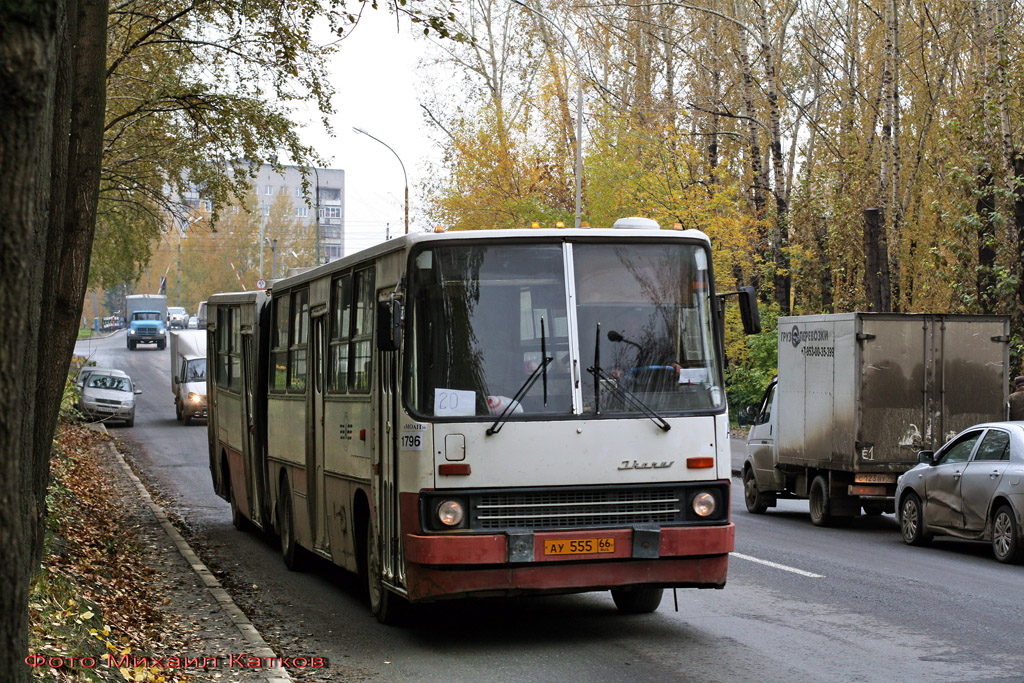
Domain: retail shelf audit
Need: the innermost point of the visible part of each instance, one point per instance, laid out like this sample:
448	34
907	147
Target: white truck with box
858	395
188	374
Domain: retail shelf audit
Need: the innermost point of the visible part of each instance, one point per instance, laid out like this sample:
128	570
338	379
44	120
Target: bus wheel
388	607
238	520
637	599
290	550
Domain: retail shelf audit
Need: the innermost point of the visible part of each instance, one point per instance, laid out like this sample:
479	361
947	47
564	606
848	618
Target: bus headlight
704	504
450	513
195	398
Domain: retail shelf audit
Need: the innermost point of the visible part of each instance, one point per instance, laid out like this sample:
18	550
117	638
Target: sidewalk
200	619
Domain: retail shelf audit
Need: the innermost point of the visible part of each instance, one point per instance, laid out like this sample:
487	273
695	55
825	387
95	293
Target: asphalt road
802	603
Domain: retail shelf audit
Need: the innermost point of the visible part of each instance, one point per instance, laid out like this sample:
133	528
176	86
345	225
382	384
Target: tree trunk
876	271
51	127
28	55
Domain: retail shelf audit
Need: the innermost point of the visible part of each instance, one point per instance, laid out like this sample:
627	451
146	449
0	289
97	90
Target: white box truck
858	395
188	374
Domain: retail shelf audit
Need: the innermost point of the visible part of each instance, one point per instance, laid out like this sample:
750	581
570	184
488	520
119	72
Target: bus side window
279	345
362	332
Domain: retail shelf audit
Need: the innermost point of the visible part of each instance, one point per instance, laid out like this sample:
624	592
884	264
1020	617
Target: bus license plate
581	546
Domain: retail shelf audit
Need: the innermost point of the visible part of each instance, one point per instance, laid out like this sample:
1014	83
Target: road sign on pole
261	284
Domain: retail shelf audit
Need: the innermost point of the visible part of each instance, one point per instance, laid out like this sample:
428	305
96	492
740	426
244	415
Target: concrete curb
249	633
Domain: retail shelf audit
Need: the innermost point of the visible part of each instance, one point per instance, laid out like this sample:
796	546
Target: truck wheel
819	502
1006	536
873	509
637	599
912	521
756	503
161	345
388	607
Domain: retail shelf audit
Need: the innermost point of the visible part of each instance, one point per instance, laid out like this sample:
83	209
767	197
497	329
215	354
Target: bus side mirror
748	310
389	325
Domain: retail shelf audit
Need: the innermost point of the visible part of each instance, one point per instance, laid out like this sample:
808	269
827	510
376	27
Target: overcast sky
375	78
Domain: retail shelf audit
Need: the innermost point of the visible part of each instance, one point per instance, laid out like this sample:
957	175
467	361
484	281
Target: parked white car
109	395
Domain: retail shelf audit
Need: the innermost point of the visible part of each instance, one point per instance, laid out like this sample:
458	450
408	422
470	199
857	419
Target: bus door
251	457
317	363
385	466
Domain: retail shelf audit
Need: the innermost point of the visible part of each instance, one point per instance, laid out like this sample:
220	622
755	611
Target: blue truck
147	316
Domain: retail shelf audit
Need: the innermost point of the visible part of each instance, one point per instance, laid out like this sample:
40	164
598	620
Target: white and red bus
499	412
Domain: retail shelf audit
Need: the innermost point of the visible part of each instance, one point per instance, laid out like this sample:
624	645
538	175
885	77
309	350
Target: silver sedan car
108	395
971	488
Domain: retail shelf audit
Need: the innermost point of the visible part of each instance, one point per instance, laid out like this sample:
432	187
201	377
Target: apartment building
328	183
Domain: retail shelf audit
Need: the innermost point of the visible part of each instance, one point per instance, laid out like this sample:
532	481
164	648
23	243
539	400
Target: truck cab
147	327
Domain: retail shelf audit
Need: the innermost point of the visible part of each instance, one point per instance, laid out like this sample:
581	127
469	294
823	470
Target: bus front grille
576	508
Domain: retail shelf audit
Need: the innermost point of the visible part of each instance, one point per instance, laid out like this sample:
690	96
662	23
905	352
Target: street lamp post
316	213
181	234
404	174
579	106
262	238
272	243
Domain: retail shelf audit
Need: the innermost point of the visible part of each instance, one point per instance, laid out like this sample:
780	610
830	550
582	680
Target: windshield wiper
502	419
628	396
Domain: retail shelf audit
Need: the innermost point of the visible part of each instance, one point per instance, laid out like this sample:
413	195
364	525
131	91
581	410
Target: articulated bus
481	413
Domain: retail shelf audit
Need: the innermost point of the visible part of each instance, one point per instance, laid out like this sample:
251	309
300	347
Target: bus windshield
483	318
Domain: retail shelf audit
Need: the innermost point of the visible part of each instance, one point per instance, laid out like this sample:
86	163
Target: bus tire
290	550
818	502
238	520
637	599
389	608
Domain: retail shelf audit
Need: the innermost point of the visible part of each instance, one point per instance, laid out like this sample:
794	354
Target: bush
748	377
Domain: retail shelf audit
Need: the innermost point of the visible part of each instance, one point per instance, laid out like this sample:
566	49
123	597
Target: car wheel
912	521
1006	543
756	503
290	550
388	607
637	599
819	503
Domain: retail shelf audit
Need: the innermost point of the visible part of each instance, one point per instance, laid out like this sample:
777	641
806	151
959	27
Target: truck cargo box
863	392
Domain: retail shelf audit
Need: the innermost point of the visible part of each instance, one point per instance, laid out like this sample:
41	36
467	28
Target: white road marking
776	565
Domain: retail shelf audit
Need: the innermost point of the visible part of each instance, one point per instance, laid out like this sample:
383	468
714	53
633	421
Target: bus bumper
500	564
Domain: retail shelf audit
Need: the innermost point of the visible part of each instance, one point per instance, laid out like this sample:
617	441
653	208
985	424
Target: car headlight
195	398
703	504
450	513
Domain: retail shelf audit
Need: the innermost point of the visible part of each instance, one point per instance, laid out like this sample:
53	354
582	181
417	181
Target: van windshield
195	371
